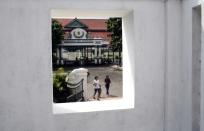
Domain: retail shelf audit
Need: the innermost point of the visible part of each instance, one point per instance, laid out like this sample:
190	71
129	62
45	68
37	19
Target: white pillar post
61	61
99	55
95	55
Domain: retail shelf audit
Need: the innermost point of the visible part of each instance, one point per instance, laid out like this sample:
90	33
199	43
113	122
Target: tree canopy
114	25
57	34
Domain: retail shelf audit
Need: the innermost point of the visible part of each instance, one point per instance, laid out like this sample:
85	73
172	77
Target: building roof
92	24
75	23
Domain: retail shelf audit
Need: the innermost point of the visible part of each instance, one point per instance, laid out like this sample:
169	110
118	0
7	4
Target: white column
99	55
79	54
95	55
61	56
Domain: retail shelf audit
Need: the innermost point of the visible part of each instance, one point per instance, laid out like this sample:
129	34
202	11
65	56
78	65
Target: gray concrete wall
202	72
189	73
161	52
26	86
196	67
173	86
186	65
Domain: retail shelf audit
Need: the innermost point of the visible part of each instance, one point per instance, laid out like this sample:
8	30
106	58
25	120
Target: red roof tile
93	24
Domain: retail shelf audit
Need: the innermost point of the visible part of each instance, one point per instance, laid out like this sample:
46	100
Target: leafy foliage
57	34
114	26
59	84
59	79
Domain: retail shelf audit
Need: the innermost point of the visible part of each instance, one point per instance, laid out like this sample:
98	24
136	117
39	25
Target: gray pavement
116	86
116	82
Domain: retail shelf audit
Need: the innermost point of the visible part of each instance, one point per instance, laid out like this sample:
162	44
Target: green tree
114	26
57	34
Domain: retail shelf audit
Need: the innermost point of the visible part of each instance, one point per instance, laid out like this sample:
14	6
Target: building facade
86	41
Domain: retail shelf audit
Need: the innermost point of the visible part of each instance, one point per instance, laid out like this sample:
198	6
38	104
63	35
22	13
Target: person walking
97	88
107	84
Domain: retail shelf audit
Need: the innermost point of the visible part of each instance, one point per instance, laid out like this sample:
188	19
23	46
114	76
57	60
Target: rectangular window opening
90	61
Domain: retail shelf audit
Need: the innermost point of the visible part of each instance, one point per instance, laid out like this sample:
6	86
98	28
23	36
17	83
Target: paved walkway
115	90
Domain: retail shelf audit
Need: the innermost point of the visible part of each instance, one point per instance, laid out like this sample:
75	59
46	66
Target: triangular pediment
75	23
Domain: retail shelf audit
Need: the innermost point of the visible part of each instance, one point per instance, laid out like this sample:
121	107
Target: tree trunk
119	57
113	57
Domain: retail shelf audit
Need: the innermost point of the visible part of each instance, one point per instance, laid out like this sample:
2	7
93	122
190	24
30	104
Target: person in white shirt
97	87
